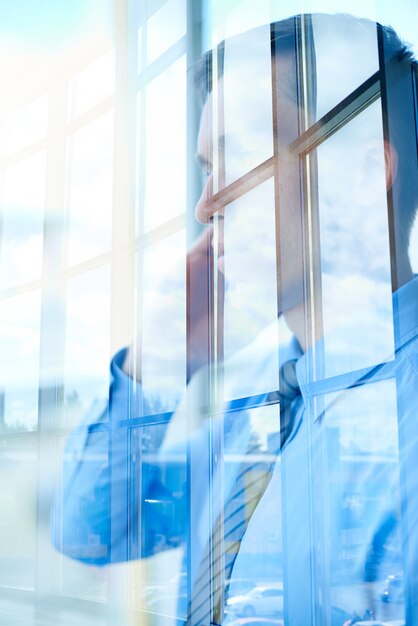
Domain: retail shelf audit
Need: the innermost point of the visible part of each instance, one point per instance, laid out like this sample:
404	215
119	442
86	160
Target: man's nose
207	206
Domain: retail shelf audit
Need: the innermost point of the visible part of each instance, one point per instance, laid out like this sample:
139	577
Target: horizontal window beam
243	185
340	115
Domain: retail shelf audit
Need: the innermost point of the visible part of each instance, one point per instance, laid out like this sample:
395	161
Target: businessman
290	491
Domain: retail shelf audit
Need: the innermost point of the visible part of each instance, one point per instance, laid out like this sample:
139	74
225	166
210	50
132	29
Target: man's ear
391	164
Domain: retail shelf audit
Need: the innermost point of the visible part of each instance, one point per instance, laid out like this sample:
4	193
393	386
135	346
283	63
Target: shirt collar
126	393
405	313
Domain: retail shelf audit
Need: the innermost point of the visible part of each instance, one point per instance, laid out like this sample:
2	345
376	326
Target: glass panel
161	479
95	83
361	435
163	368
413	247
87	343
315	527
355	255
165	28
164	147
252	488
90	190
247	103
19	361
24	126
22	221
250	305
18	488
354	57
81	517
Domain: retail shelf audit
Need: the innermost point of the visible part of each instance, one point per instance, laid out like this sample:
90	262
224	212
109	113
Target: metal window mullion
296	575
197	462
317	445
121	291
217	587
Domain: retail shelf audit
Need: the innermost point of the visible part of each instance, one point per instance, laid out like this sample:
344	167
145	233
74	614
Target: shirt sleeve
93	470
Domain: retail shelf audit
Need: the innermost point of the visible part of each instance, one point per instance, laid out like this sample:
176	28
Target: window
218	202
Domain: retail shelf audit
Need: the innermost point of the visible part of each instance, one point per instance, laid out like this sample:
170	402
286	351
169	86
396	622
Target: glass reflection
94	83
18	539
24	126
90	190
22	211
163	29
80	520
223	478
250	332
245	110
365	526
20	318
353	60
354	239
253	555
163	148
413	247
86	343
162	523
162	340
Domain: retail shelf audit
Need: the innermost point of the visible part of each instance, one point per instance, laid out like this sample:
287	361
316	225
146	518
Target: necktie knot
289	386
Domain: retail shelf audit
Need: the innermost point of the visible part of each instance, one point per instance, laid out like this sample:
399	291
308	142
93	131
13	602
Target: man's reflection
247	491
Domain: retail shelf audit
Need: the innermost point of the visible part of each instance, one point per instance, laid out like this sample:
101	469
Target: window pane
161	525
90	190
247	105
252	488
259	464
86	343
163	370
22	221
94	83
163	148
19	360
164	28
250	309
25	126
413	247
355	255
346	55
18	540
364	500
80	525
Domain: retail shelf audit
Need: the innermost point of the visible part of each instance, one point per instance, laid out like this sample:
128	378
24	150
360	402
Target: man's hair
395	50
